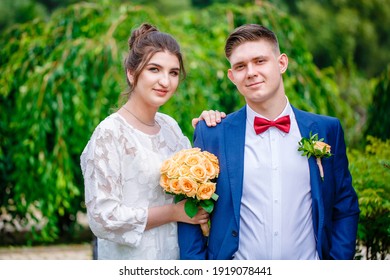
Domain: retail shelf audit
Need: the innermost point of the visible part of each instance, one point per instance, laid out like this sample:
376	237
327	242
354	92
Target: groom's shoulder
234	117
315	117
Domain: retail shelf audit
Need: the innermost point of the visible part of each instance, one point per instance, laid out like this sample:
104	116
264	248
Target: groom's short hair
249	33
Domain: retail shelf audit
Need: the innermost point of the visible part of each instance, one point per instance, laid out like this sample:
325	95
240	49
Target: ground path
57	252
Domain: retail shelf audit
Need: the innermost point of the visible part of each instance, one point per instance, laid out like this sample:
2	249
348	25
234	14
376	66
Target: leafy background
61	74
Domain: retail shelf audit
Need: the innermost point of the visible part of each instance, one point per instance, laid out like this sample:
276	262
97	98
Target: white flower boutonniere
315	147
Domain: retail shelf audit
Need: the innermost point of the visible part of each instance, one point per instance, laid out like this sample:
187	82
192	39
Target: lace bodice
121	166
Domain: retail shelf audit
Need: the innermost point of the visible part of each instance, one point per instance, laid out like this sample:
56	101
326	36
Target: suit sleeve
345	210
192	243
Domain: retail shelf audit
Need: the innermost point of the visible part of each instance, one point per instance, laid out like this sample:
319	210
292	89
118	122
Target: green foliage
336	30
191	206
371	179
378	123
58	80
19	11
347	30
357	92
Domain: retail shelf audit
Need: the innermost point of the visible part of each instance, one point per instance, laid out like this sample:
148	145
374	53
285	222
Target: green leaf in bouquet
191	208
207	205
179	197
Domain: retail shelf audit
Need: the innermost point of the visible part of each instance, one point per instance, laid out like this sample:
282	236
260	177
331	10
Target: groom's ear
283	63
230	75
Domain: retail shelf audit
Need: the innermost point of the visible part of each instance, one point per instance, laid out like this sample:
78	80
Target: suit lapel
306	126
234	151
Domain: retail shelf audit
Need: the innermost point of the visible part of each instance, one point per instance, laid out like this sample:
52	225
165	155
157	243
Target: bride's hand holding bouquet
191	174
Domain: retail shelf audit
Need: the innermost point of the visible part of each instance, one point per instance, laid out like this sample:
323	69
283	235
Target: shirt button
276	233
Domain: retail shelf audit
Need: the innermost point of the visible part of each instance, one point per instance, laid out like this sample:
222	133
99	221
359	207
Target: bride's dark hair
144	42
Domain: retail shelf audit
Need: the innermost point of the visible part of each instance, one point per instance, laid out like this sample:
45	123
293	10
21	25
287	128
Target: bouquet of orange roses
191	174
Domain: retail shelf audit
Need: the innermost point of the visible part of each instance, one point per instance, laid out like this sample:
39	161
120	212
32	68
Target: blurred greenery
344	30
371	177
19	11
61	74
378	122
337	31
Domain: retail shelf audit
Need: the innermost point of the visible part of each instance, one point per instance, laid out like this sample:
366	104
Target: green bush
378	122
58	80
371	179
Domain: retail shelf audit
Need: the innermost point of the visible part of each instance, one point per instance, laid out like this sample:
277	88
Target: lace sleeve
108	217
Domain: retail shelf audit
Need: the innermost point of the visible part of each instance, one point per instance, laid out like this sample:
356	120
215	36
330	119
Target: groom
272	202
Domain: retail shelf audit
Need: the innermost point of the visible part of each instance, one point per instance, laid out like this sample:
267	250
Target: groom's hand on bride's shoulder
211	117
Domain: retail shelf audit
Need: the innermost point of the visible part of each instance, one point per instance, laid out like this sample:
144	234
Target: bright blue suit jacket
335	208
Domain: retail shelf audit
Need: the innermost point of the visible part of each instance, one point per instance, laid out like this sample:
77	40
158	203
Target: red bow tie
261	125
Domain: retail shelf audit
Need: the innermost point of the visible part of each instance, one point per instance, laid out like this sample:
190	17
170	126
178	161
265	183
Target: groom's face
256	70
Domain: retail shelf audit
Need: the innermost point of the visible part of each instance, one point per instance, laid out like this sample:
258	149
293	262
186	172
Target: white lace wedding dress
121	166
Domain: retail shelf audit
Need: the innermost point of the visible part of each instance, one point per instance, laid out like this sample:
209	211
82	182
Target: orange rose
173	171
192	151
174	186
179	157
184	170
193	159
211	157
164	182
214	160
320	146
205	191
166	164
188	186
210	169
199	173
216	166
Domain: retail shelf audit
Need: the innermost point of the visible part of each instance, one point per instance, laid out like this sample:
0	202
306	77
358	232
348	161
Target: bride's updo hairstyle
144	42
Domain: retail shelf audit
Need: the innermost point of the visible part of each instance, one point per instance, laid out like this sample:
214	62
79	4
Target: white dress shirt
275	217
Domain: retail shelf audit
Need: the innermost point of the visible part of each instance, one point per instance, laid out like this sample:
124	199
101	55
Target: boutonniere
315	147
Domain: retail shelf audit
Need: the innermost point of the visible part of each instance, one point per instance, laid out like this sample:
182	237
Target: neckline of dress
139	131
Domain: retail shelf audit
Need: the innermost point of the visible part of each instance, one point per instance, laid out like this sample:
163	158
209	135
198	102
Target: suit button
234	233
